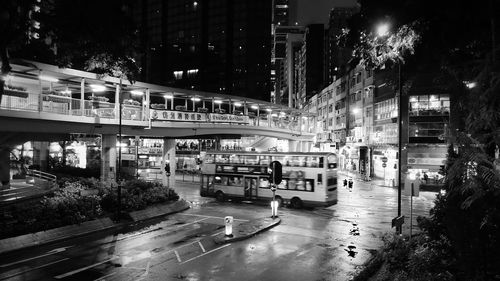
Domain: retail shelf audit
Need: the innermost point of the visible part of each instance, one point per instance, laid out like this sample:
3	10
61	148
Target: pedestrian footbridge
41	98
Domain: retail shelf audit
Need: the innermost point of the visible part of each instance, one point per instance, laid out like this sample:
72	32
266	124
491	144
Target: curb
64	233
240	230
370	268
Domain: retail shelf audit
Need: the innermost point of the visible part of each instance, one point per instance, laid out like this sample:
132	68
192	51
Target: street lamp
382	31
120	142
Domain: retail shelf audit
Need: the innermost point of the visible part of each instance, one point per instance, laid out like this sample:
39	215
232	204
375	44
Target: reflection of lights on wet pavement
350	251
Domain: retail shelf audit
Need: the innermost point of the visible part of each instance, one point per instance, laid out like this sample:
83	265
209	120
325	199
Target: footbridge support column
4	168
108	156
41	155
168	158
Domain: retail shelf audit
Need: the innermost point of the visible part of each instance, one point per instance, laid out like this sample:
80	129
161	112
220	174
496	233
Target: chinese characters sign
167	115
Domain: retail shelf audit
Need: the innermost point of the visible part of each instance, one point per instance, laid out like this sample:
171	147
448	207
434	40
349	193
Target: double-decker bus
309	179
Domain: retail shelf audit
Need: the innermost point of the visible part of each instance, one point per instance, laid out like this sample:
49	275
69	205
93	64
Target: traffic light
276	173
167	169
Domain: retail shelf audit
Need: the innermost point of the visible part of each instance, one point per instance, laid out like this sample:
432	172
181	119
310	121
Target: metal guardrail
49	178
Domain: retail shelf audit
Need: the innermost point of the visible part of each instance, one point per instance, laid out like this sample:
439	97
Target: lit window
178	74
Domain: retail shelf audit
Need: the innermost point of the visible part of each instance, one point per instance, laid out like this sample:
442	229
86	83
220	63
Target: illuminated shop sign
227	118
167	115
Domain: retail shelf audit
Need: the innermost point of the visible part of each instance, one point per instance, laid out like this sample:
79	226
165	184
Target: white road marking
178	257
206	253
209	217
201	246
215	234
83	268
54	251
38	267
105	276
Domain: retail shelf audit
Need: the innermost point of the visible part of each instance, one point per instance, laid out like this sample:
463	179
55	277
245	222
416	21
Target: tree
16	29
96	36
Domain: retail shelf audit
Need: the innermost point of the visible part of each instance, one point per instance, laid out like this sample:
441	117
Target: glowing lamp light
383	29
97	88
195	99
268	110
471	85
218	101
48	78
228	221
137	93
168	96
254	107
237	104
355	110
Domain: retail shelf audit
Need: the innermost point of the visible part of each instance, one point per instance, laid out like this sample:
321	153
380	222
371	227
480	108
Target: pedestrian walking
345	183
350	185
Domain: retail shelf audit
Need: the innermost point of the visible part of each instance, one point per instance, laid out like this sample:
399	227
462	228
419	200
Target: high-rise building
336	57
217	46
309	64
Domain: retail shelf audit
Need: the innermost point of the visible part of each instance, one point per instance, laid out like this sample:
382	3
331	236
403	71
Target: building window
178	75
426	129
429	105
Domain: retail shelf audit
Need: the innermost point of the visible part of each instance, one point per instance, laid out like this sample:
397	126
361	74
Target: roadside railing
65	105
40	178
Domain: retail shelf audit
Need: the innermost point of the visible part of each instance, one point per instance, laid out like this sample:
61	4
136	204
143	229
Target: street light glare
137	92
97	88
383	29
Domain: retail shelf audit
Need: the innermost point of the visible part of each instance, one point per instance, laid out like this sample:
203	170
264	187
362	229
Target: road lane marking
201	246
217	233
84	268
54	251
178	257
209	217
31	269
205	253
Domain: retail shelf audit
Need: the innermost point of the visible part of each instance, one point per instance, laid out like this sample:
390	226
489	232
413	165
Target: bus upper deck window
321	162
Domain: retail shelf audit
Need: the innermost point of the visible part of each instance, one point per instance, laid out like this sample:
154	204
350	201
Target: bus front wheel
296	203
219	196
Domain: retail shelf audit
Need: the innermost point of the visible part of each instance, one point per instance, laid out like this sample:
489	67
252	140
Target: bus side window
321	162
320	178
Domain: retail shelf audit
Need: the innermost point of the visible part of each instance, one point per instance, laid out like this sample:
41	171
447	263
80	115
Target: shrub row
79	200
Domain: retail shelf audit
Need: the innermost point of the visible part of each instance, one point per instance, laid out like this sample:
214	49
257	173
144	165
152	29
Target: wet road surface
316	244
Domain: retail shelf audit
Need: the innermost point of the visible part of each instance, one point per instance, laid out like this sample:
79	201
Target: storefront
426	162
385	164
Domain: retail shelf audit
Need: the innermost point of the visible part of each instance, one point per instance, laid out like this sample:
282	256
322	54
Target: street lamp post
400	142
119	170
382	31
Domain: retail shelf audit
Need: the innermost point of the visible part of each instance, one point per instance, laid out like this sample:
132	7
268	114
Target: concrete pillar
109	157
168	157
41	155
4	168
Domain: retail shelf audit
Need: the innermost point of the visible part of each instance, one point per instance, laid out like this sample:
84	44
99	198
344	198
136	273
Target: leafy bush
71	204
136	195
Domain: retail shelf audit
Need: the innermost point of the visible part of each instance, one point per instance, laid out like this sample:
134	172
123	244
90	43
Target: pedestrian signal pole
275	178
